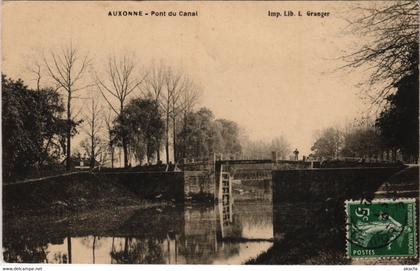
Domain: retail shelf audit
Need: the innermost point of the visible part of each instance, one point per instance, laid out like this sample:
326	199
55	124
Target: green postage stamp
381	228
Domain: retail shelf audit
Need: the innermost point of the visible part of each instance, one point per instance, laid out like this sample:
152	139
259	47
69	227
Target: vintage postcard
210	133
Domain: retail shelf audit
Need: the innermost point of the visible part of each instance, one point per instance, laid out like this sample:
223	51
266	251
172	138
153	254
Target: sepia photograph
210	133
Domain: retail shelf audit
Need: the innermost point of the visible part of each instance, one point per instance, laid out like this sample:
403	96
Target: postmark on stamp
381	228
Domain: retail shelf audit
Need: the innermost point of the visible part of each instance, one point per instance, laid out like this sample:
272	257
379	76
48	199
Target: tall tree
144	125
121	78
188	99
229	133
67	68
177	95
203	135
328	144
362	142
32	125
153	87
93	127
389	49
398	123
183	99
109	124
169	102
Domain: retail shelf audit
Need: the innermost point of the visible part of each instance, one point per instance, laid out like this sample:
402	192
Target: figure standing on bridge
296	153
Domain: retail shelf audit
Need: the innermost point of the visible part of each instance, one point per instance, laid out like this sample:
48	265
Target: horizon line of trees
36	126
357	141
260	149
35	130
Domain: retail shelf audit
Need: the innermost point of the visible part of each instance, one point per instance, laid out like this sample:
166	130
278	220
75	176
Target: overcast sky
271	75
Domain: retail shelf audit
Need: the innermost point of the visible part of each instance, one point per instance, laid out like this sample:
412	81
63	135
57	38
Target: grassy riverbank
72	195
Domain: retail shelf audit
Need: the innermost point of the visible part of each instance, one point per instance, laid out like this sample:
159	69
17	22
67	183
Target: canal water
222	234
257	226
248	229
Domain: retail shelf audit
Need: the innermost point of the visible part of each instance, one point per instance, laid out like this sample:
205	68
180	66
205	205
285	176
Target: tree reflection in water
172	235
139	252
24	251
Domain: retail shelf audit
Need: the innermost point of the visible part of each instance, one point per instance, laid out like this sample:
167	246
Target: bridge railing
222	157
236	159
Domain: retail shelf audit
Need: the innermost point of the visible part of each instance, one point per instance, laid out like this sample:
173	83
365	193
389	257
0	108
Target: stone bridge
205	179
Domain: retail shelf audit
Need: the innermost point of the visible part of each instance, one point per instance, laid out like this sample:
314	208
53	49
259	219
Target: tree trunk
92	158
68	135
93	248
92	151
158	150
394	154
125	247
167	137
124	136
174	140
146	144
184	144
125	151
112	157
69	249
45	153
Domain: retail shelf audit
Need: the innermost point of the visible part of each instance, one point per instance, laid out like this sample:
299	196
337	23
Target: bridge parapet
204	177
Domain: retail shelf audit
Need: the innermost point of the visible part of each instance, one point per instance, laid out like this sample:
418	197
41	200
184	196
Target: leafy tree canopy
143	126
33	127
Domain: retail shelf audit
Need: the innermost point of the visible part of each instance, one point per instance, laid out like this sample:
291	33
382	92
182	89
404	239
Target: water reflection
223	234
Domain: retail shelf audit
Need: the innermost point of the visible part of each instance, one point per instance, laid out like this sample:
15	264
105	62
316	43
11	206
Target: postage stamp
384	228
